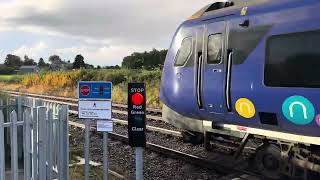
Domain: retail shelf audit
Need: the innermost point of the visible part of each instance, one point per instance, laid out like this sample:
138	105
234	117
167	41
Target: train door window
292	60
214	49
184	52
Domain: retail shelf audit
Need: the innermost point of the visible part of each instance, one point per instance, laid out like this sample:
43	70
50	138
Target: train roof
232	8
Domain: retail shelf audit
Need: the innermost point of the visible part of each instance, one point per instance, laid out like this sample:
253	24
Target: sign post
136	123
95	102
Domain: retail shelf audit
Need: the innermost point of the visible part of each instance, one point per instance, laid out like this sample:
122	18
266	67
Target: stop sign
137	99
85	90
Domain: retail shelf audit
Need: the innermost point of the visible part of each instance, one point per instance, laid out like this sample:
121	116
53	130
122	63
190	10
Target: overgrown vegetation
64	83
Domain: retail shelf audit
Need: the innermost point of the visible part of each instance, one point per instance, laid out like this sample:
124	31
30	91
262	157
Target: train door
213	75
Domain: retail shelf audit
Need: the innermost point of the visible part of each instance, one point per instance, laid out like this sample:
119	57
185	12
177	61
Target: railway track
74	101
225	171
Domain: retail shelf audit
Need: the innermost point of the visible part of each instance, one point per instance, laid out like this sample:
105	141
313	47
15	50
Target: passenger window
184	52
292	60
214	49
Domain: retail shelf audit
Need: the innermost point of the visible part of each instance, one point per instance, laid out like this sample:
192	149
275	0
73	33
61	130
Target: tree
29	62
55	59
98	67
79	62
41	63
146	60
13	61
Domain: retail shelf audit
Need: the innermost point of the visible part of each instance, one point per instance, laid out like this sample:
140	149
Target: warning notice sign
94	109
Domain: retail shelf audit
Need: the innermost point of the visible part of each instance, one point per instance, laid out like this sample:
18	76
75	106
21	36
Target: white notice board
94	109
104	125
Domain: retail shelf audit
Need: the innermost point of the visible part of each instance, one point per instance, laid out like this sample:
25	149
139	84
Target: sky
103	31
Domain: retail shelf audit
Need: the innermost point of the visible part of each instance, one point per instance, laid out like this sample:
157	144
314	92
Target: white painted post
105	156
42	142
86	149
35	144
64	141
139	163
27	143
2	151
20	138
14	146
50	143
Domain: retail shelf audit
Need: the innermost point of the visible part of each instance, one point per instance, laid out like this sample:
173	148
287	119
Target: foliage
6	70
111	67
146	60
42	64
79	62
68	80
28	62
55	59
13	61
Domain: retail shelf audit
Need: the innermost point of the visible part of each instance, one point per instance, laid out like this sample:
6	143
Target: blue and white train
250	69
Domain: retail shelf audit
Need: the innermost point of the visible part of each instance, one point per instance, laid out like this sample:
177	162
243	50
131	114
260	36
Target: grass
77	173
64	83
10	78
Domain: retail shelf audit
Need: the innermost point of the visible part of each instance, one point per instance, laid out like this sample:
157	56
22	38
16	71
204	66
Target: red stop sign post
85	90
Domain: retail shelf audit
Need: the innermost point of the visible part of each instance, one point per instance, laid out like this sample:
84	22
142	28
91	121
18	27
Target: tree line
13	62
137	60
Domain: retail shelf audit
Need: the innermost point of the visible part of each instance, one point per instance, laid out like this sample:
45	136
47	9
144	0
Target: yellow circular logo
245	108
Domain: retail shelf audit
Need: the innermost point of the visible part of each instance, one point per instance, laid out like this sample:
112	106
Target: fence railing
34	142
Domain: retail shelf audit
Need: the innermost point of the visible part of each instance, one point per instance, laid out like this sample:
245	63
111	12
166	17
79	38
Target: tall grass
65	82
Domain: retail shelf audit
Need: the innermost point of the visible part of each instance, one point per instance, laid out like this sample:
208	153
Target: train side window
184	52
292	60
214	49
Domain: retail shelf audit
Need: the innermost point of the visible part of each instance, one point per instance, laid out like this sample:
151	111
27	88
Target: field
9	78
64	83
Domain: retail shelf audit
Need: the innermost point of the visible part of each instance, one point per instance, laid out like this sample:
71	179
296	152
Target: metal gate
34	142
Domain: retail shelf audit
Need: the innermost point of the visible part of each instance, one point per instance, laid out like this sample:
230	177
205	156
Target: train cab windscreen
184	52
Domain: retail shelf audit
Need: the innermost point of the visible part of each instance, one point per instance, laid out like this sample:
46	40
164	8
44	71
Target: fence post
36	103
64	142
27	144
14	144
50	144
20	138
35	143
2	151
42	142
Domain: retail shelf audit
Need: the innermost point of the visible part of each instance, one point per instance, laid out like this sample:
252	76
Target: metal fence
34	142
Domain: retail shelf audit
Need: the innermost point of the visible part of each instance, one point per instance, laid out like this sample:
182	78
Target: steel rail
60	98
156	118
189	158
153	147
149	128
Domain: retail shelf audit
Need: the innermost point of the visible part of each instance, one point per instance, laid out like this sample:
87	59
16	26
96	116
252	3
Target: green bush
6	70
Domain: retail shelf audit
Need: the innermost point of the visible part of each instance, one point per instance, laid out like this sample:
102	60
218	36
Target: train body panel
252	66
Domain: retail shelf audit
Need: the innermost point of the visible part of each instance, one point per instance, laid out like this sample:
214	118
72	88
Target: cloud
110	55
122	21
120	26
32	52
